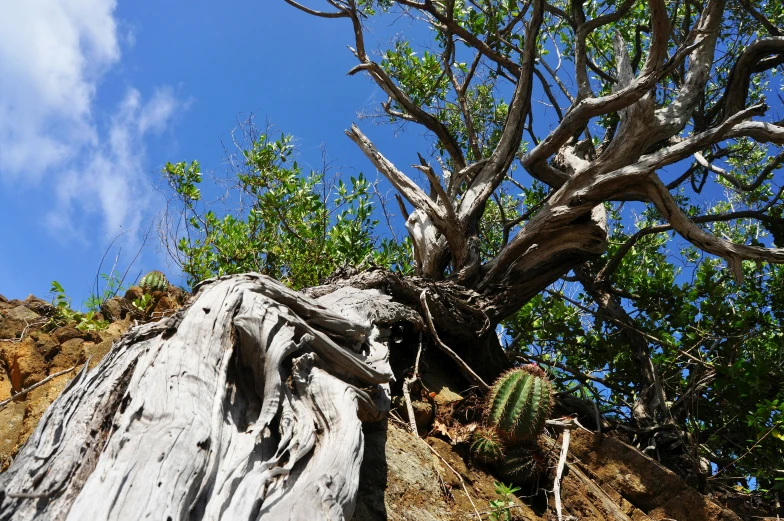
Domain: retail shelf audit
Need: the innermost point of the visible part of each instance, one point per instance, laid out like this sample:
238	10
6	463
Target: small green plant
519	403
296	226
501	507
112	286
90	322
154	281
64	315
143	303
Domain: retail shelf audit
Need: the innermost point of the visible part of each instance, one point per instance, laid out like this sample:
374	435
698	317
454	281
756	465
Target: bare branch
442	215
589	108
494	170
733	253
737	89
672	118
320	14
383	80
737	183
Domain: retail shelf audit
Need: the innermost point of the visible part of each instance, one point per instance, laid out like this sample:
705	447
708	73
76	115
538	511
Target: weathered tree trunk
246	405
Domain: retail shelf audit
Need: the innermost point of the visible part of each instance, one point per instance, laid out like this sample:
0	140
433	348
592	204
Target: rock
16	320
71	354
95	352
26	366
133	293
114	331
401	479
39	306
113	309
3	299
165	306
12	419
178	295
40	398
423	414
66	333
23	314
642	481
47	346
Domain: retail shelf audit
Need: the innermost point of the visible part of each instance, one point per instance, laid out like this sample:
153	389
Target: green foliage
154	281
112	286
501	507
143	304
421	77
290	225
486	445
706	332
65	316
519	403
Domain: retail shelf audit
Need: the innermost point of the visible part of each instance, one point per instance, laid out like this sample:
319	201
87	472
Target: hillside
402	477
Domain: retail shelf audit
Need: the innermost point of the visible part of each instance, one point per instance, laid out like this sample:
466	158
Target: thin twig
27	326
34	386
465	369
456	473
561	462
746	453
406	387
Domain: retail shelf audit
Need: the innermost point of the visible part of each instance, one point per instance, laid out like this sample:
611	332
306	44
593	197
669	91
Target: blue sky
96	96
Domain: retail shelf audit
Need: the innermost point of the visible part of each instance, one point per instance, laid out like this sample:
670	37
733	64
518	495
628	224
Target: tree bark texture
246	405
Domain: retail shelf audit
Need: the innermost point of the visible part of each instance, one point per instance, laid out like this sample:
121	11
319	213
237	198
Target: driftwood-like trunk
246	405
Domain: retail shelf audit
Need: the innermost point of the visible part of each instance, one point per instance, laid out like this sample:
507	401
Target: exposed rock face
401	479
32	350
640	487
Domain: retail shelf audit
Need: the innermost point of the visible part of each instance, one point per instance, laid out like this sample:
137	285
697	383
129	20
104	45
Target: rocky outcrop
605	479
37	351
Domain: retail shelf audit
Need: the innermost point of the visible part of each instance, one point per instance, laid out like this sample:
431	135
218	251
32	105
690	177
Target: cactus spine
522	464
154	281
516	410
487	446
519	403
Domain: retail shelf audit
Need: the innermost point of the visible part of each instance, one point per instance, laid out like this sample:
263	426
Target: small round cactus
522	464
154	281
487	445
519	403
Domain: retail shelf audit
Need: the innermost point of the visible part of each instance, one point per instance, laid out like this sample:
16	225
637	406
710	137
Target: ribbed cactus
521	464
154	281
487	446
519	403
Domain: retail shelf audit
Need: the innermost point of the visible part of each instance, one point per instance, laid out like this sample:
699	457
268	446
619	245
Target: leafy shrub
293	226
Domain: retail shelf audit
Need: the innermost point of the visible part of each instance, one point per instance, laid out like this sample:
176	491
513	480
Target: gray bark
246	405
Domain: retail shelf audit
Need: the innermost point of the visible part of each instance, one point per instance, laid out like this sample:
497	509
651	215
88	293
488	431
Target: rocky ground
403	477
41	350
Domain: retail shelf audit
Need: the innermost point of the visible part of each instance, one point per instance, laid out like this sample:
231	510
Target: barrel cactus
522	464
519	403
487	446
154	281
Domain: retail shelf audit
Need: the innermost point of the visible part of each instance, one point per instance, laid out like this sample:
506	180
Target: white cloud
110	177
53	55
